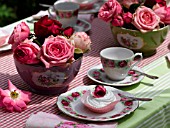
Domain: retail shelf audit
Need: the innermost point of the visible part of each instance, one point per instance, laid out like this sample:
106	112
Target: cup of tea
117	61
65	12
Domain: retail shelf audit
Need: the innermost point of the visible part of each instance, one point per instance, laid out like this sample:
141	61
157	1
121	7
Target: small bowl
85	4
48	81
147	43
100	110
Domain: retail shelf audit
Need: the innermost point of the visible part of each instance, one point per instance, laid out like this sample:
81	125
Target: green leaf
78	51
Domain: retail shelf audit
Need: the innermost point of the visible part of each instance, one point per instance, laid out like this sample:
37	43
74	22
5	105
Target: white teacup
65	12
117	61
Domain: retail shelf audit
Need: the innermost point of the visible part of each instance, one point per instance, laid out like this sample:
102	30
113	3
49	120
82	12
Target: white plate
5	47
97	74
70	104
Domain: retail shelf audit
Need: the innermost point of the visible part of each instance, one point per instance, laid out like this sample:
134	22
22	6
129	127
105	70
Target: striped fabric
102	38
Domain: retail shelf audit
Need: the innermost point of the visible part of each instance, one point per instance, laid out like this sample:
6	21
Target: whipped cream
102	101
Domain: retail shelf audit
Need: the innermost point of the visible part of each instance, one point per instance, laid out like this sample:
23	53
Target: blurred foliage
14	10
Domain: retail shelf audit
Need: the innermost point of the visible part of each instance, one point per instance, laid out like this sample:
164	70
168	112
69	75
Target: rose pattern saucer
70	103
97	74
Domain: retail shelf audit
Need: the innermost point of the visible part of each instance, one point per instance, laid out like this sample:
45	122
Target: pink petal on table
11	86
4	93
21	104
26	97
17	108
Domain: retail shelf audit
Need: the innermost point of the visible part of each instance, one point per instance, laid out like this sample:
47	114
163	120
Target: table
149	114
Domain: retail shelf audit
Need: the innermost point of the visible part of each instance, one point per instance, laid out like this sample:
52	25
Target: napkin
48	120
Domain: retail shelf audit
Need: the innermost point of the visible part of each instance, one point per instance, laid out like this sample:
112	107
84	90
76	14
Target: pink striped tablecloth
101	38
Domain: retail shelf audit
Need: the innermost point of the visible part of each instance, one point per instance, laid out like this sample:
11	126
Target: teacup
117	61
65	12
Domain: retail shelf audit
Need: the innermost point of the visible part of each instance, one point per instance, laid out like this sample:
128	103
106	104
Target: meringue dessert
100	100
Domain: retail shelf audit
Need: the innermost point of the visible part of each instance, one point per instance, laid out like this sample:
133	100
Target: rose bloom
81	40
27	52
145	19
20	33
110	9
128	3
117	21
14	99
46	27
56	51
99	91
127	17
164	14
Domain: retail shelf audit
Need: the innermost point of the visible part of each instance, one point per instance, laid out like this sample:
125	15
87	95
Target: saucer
82	26
97	74
70	104
5	47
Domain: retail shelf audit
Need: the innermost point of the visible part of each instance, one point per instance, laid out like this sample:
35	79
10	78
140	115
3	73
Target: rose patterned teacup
65	12
117	61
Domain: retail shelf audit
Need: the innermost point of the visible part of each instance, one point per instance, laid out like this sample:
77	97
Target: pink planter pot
51	81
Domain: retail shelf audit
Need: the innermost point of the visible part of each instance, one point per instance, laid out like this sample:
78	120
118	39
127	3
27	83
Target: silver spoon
145	74
139	99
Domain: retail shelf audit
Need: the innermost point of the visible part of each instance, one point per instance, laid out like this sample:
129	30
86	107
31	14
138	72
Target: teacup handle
137	61
51	12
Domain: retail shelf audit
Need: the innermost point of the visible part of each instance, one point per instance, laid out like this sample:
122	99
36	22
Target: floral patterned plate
82	26
97	74
70	104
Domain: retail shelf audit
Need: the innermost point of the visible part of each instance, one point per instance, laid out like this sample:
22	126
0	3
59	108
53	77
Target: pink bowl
54	80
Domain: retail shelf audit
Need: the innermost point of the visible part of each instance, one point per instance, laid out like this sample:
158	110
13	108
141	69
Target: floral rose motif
65	103
99	91
75	94
19	34
122	64
14	99
69	124
56	51
109	10
164	14
81	41
46	27
145	19
27	52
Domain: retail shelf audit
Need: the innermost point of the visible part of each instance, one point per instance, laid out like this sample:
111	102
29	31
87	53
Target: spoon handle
140	99
147	75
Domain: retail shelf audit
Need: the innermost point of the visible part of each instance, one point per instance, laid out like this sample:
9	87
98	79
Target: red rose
46	27
68	31
99	91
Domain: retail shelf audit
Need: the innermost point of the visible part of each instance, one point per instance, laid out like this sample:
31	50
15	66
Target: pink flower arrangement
14	99
142	15
50	44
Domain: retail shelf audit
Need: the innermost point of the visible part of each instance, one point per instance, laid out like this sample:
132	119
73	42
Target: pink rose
27	52
20	33
56	51
117	21
99	91
127	17
128	3
81	41
109	9
145	19
164	14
